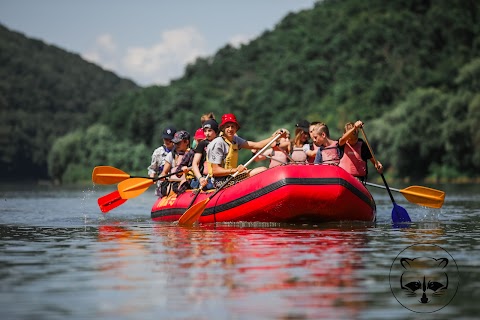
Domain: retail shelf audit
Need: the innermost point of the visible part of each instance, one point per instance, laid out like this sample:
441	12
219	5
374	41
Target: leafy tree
73	156
45	92
409	135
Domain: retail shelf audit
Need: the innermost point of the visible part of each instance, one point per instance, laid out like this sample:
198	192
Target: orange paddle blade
191	215
424	196
133	187
108	175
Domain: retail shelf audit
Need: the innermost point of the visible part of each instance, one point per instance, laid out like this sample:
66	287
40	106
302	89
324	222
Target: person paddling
199	165
280	154
222	152
356	153
173	161
158	157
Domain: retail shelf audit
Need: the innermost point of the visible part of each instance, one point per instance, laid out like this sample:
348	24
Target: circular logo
424	278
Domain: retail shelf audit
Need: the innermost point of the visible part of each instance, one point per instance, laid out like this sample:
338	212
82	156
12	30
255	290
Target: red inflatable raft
289	193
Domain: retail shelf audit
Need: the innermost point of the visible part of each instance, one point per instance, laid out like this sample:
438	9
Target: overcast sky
147	41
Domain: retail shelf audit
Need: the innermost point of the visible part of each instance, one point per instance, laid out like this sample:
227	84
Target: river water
61	258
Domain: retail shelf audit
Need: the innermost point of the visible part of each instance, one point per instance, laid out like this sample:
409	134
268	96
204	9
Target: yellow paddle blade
191	215
108	175
133	187
424	196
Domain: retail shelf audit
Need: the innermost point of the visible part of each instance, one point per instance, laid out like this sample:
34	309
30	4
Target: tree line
45	93
408	69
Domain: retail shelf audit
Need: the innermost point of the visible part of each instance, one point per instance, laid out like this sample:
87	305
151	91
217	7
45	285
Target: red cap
199	134
229	117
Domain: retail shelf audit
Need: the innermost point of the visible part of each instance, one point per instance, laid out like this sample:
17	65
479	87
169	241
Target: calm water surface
60	258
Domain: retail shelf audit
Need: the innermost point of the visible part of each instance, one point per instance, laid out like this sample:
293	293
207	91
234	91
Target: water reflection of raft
288	193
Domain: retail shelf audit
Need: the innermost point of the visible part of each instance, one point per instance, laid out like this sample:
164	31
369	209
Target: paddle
112	175
108	175
110	201
198	190
422	196
134	187
399	214
191	215
114	199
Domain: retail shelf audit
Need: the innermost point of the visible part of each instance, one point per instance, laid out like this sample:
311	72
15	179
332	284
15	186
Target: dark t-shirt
365	151
202	148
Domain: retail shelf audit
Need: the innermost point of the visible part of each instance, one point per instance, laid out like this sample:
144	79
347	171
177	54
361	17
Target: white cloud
147	65
239	39
106	43
103	53
167	58
92	56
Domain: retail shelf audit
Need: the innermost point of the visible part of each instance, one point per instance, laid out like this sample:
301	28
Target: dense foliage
73	156
45	93
409	69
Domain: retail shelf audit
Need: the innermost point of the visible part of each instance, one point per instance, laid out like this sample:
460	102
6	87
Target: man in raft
222	152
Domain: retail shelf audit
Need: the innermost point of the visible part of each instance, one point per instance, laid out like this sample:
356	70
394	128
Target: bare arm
166	168
196	165
219	171
377	165
311	153
262	157
260	144
347	134
255	145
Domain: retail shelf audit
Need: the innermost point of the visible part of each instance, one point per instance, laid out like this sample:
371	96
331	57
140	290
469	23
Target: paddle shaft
375	160
112	175
386	186
381	187
195	197
399	214
113	200
200	188
192	214
246	164
133	187
165	176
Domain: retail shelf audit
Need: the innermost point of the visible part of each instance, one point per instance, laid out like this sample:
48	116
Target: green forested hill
409	69
45	93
